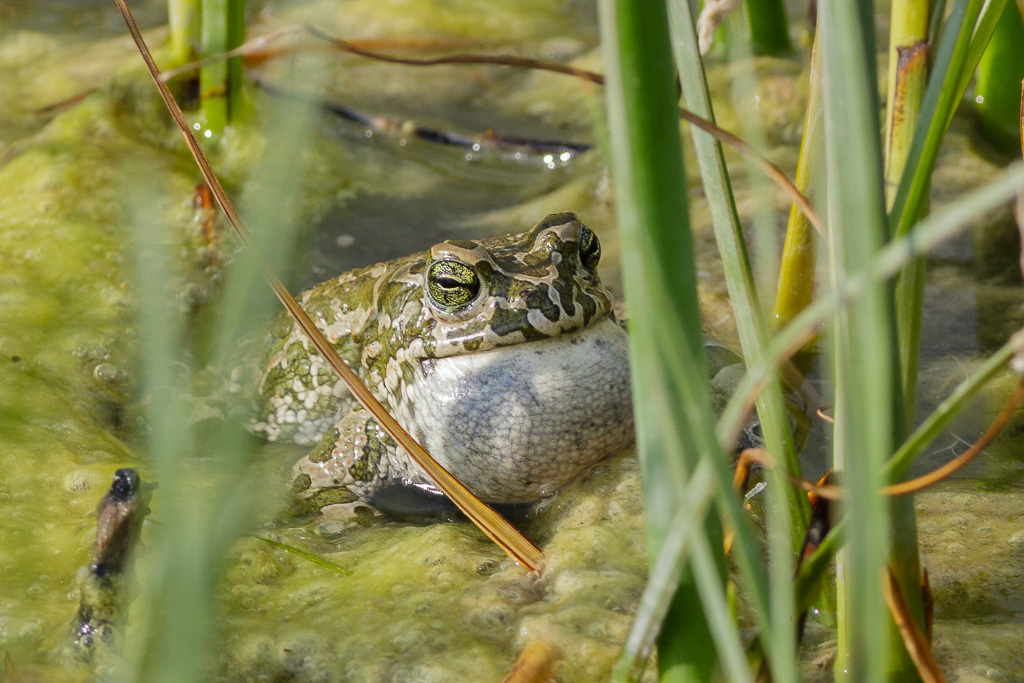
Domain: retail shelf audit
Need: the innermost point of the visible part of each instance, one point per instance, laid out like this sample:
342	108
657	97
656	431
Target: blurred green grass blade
674	429
271	207
170	567
787	506
868	408
206	503
666	573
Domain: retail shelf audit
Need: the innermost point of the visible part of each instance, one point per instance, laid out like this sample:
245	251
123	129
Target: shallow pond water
424	602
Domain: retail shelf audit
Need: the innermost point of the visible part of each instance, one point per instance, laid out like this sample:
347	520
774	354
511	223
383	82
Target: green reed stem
908	75
787	508
960	49
184	20
799	251
869	412
223	29
769	28
998	84
968	29
213	78
671	399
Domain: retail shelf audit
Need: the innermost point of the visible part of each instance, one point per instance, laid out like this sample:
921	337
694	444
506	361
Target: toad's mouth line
517	339
520	356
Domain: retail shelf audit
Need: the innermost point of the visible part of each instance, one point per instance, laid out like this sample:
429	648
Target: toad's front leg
355	462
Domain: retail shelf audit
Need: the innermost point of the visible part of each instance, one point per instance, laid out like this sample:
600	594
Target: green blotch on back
322	451
377	445
301	483
321	499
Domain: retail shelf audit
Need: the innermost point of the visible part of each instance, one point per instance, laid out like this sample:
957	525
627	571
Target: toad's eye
452	284
590	248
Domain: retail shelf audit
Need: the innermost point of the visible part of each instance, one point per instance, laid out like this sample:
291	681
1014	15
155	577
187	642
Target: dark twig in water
66	103
722	135
118	525
409	129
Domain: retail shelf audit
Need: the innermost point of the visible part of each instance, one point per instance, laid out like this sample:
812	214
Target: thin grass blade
787	506
671	399
868	408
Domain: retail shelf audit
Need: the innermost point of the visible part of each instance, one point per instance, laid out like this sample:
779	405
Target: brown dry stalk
937	475
65	103
917	646
536	663
485	518
834	492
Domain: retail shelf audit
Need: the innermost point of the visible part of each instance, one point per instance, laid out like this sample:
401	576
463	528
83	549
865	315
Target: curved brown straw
833	492
489	521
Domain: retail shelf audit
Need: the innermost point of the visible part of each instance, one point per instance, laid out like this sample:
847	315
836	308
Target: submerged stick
484	517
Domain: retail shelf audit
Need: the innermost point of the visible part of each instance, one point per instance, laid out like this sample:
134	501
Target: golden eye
452	284
590	248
